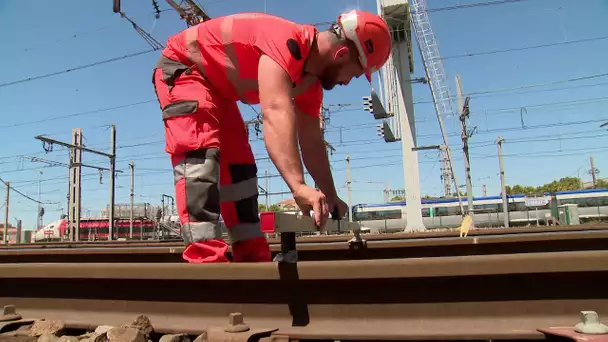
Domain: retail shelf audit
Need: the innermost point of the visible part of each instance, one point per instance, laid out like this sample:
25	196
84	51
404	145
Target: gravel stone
143	323
175	338
47	327
67	339
126	335
47	338
202	338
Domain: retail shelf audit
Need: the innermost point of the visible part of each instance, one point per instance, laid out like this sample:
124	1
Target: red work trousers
199	124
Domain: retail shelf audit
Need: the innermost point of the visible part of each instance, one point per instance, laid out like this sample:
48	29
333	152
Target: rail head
525	263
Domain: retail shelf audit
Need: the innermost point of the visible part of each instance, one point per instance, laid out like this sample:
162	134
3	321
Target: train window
441	211
454	211
447	211
361	216
487	208
377	215
585	202
517	206
426	212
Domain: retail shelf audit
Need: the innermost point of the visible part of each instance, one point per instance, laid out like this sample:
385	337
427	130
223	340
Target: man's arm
314	153
279	121
280	136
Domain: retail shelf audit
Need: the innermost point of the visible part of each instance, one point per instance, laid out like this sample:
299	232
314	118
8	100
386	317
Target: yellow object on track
465	225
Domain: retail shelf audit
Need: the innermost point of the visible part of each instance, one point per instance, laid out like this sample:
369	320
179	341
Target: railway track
479	297
318	248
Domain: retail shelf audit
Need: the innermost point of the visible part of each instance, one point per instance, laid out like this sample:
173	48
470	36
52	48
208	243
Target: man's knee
197	194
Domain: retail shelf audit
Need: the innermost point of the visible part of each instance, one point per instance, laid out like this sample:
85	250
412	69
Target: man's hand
308	199
336	202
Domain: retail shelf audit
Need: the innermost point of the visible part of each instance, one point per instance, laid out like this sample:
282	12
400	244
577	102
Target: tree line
563	184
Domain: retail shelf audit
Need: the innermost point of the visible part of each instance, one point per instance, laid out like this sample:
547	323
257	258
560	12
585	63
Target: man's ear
341	53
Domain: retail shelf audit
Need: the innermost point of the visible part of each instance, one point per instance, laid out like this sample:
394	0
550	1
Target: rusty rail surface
377	248
481	297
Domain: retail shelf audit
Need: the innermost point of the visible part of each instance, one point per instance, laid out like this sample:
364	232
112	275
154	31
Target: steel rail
376	249
431	234
489	297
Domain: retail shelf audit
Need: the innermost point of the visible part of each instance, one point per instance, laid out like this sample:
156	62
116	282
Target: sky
546	102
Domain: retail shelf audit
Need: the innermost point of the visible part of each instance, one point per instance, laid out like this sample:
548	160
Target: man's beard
327	84
328	77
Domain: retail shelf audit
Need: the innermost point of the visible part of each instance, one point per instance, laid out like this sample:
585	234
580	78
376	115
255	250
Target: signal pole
464	115
505	208
484	191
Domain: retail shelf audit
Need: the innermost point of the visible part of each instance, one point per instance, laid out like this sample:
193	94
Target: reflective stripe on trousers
197	171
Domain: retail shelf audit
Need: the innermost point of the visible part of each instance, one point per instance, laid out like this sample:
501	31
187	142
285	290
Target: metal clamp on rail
290	224
357	242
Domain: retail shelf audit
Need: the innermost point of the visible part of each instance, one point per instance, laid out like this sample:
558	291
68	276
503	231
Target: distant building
140	210
589	185
288	205
26	236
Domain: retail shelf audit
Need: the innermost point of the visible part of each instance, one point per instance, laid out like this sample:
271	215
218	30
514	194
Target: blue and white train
445	212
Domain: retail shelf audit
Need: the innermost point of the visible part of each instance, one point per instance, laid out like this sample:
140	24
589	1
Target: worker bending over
254	58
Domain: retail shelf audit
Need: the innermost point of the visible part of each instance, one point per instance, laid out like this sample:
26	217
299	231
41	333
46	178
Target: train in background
523	210
149	222
96	229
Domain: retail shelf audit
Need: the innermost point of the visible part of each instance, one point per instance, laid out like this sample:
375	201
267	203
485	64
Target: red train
93	229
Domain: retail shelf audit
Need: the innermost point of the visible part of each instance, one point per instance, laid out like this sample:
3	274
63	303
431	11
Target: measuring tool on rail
289	224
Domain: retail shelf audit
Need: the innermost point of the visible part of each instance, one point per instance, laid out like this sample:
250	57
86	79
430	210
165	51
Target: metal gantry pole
348	188
593	172
112	177
6	211
39	217
75	186
266	188
132	166
505	204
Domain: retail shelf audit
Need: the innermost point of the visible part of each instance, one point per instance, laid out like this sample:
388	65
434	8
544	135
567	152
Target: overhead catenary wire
473	5
483	92
348	143
72	36
115	59
154	44
22	194
545	153
523	48
88	112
